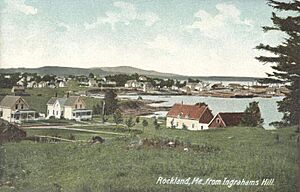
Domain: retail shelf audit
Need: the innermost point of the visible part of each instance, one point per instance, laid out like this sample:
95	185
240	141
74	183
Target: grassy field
235	153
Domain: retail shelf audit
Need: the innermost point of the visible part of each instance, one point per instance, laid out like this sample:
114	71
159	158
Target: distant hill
103	71
55	70
132	70
225	78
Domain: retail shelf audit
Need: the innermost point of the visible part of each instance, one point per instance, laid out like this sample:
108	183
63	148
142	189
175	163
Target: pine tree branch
292	6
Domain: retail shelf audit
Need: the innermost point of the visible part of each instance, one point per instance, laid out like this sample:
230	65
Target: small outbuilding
226	119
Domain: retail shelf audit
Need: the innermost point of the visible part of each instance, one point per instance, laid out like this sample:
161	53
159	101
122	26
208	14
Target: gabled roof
52	101
64	101
187	111
10	100
71	100
231	119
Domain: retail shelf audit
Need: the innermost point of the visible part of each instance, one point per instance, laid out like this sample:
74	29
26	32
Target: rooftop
187	111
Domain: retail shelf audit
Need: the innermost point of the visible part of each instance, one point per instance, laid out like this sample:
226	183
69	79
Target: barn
226	119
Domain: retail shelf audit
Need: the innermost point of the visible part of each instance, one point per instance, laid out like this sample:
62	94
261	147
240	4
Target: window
75	106
193	125
176	124
80	106
53	112
48	112
22	106
201	127
17	106
218	121
88	113
56	112
1	113
73	114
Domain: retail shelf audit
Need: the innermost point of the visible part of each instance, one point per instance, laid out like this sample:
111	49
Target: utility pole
103	111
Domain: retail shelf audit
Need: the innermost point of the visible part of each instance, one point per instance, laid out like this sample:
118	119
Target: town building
18	90
72	107
226	119
32	84
16	109
191	117
42	84
93	83
132	84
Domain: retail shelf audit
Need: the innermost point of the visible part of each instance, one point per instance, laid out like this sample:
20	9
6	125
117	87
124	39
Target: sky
190	37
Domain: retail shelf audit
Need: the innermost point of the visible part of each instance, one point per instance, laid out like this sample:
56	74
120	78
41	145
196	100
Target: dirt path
75	129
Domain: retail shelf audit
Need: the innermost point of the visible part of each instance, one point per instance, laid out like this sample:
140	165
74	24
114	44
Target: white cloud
221	24
62	27
163	43
20	6
150	18
126	13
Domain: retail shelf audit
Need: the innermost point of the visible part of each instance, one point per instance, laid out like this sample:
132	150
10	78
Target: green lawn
240	153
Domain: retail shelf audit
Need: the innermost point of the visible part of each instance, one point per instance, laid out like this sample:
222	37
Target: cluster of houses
148	85
70	107
29	82
181	116
233	89
144	86
84	81
16	109
200	117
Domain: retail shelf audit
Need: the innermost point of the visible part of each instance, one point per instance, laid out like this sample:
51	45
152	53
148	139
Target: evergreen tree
111	102
286	57
252	116
91	75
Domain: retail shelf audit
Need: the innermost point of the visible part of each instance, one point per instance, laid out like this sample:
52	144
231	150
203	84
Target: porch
23	115
82	114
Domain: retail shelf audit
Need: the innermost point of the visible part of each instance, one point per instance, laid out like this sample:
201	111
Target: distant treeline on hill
104	71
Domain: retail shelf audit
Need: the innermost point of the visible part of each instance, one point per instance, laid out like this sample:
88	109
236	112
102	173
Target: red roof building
192	117
226	120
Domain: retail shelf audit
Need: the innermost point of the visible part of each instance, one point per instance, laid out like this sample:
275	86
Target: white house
32	84
142	78
72	107
42	84
191	117
132	84
21	81
62	84
147	86
15	109
93	83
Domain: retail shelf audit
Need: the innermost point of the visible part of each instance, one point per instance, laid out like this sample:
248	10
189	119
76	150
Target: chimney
55	94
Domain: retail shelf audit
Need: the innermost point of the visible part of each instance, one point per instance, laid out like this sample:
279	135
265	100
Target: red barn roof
231	119
188	111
